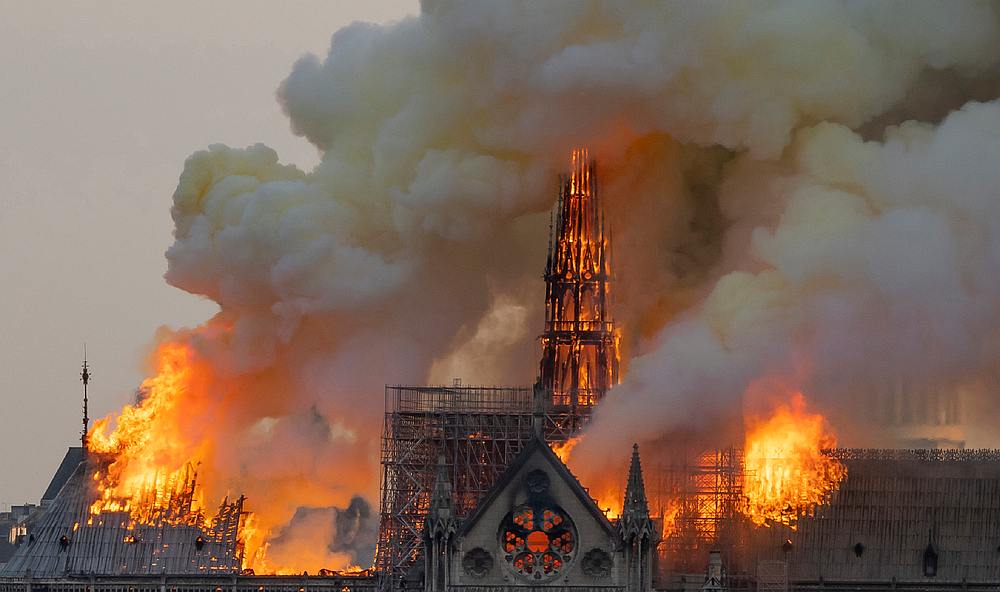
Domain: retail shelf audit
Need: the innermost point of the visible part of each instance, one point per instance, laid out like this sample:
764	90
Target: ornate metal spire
85	378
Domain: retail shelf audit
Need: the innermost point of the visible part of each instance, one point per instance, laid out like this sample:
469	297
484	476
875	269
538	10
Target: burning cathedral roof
83	531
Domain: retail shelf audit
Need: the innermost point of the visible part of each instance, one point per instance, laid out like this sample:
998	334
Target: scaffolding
478	431
701	498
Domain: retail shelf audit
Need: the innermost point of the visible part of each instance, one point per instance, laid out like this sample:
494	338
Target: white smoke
880	266
756	232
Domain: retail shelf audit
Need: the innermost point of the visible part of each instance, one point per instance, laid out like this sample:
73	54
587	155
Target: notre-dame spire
580	345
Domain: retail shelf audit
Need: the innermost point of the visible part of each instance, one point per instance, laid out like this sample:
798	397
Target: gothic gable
537	527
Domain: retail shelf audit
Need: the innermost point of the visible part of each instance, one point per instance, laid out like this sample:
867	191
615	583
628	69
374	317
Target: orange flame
564	449
609	497
608	493
149	453
134	427
151	462
786	474
138	480
149	473
670	511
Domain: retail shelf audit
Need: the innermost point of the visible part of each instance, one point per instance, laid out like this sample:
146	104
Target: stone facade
538	527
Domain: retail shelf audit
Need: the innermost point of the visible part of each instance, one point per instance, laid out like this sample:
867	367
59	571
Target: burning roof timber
83	532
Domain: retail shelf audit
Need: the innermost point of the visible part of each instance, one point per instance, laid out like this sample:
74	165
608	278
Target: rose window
537	541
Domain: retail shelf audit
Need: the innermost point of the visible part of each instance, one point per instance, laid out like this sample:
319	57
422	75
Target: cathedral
538	527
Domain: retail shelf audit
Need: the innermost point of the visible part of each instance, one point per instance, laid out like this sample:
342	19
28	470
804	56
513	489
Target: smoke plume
803	190
325	536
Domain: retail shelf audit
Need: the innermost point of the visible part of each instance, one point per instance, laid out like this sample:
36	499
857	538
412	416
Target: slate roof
73	458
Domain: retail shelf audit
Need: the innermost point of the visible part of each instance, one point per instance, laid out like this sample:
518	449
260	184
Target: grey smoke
328	534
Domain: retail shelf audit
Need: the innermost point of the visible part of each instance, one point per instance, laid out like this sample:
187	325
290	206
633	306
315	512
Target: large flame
786	473
609	496
138	480
151	468
608	493
142	441
669	511
150	452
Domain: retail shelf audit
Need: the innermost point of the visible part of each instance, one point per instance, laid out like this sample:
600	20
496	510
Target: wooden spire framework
580	356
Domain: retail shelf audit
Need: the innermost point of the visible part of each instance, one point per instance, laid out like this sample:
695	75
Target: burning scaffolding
700	499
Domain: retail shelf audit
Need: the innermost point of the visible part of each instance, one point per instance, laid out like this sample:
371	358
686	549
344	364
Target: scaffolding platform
478	431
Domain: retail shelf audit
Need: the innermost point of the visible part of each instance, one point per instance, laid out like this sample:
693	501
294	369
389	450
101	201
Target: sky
100	103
